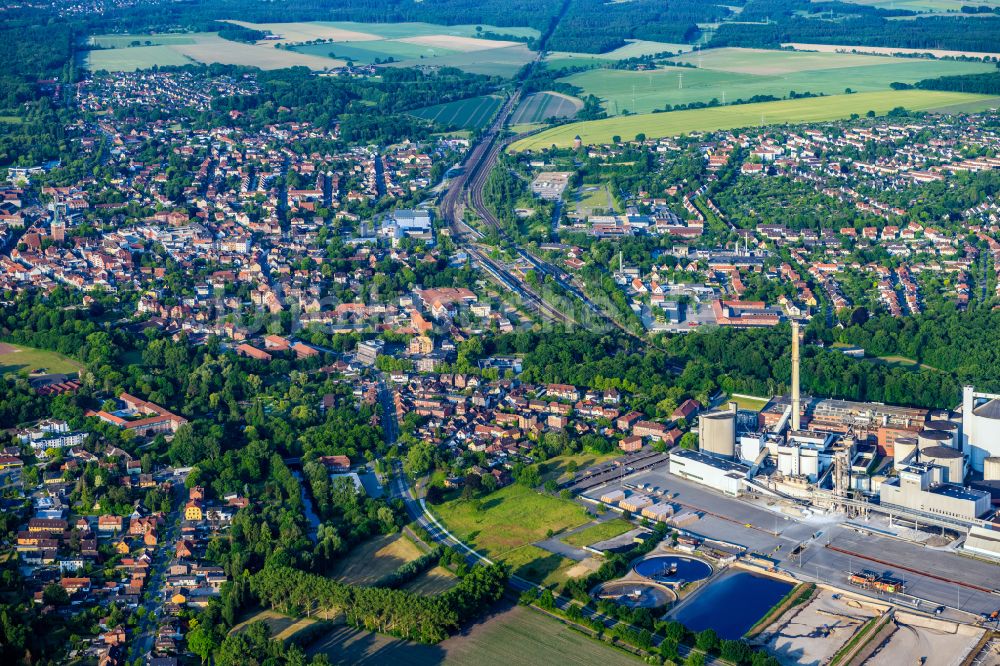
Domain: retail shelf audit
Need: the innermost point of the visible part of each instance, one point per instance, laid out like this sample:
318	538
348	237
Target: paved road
145	633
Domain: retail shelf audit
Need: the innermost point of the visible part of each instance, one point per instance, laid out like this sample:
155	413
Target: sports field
541	106
203	47
18	358
732	74
511	517
790	111
470	113
511	636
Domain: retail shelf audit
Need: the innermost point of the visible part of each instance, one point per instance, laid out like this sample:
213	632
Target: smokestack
796	406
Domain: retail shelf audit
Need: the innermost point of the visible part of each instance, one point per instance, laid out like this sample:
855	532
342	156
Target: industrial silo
717	433
903	449
930	438
950	460
947	426
991	469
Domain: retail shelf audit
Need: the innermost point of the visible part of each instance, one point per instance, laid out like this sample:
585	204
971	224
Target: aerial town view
500	333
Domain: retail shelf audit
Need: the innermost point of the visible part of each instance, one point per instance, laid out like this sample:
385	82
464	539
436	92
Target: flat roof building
919	488
718	473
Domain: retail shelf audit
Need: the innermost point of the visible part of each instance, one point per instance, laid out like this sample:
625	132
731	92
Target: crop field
18	358
511	517
884	50
470	113
510	636
203	47
791	111
431	582
374	559
598	532
153	39
405	44
927	6
634	49
541	106
505	61
732	74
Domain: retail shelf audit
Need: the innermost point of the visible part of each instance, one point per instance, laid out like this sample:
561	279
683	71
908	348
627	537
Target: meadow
472	113
732	74
374	559
541	106
18	358
791	111
598	532
507	519
634	49
504	62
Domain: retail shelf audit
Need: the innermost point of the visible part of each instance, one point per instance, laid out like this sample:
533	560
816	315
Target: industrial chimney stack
796	401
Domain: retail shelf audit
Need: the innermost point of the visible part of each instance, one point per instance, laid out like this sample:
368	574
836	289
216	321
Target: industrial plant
923	467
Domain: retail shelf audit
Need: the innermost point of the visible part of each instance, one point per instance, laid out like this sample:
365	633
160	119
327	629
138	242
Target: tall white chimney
796	402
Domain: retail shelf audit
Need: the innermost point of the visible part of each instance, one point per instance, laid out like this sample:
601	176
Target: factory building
920	488
980	426
714	472
717	432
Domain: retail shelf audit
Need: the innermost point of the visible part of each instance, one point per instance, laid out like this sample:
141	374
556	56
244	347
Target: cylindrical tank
950	460
991	469
928	438
809	466
717	433
786	461
947	426
903	449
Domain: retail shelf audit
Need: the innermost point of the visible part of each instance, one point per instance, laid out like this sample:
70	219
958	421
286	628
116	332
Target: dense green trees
403	614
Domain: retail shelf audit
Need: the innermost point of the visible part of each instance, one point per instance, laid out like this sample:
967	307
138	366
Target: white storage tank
950	460
903	449
991	469
930	438
945	425
717	433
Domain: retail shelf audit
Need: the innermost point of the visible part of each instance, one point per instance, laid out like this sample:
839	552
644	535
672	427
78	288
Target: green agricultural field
18	358
745	115
598	532
472	113
928	6
130	59
511	517
634	49
398	30
194	47
511	636
541	106
733	74
368	52
505	61
153	39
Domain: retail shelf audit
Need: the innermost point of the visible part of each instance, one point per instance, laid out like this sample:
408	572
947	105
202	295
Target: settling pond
673	569
732	604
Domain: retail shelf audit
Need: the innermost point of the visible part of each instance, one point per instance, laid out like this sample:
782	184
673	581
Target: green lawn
557	468
753	404
734	74
599	532
18	358
511	517
538	565
746	115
